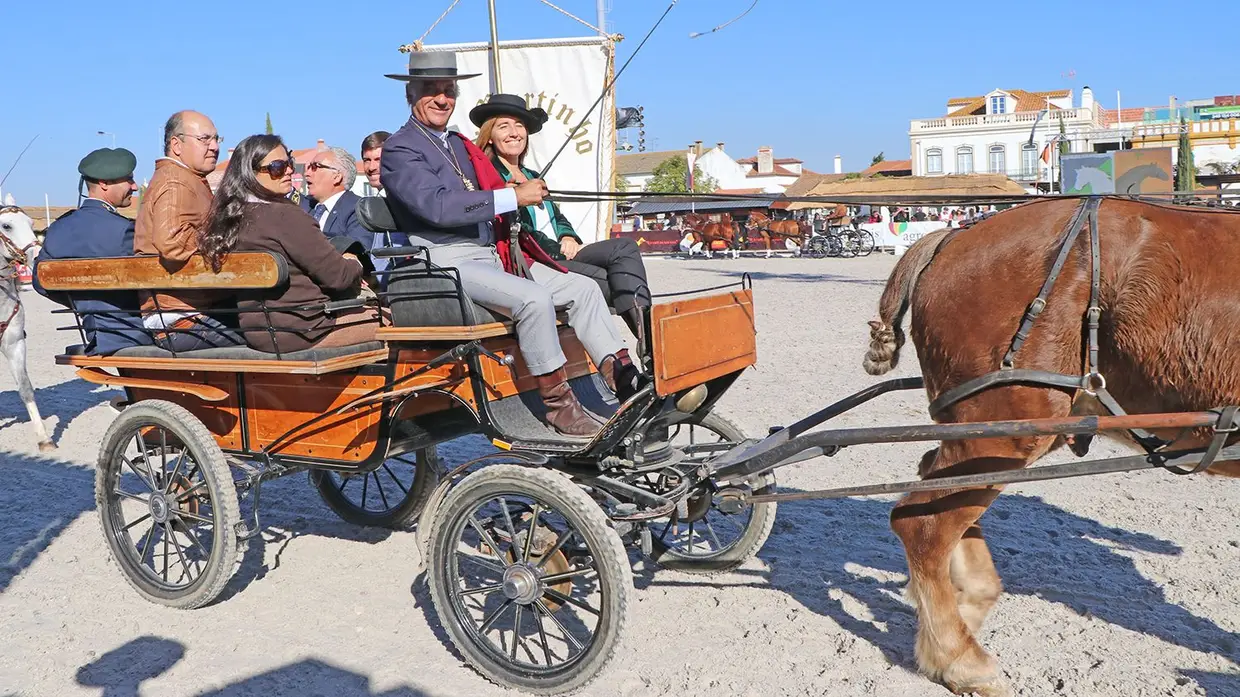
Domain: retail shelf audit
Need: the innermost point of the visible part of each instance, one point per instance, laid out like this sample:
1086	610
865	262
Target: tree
669	178
1185	175
618	182
269	129
1220	168
1064	146
876	159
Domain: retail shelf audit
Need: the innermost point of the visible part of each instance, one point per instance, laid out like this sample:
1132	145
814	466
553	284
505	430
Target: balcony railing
1203	128
1019	118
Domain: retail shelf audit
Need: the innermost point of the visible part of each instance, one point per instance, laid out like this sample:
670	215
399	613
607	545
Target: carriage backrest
240	271
374	214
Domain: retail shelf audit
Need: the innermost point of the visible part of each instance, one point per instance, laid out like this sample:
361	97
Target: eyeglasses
319	165
204	139
276	168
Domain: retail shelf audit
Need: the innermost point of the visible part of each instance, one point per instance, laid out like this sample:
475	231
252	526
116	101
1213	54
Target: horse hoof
47	446
996	687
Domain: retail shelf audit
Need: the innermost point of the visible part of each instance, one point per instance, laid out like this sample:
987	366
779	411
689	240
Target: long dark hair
240	182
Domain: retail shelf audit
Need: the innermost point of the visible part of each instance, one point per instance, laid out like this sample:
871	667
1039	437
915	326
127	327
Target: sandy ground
1116	585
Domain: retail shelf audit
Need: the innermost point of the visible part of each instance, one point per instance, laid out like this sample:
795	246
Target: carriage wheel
709	540
835	245
539	612
391	496
816	248
865	243
848	244
167	504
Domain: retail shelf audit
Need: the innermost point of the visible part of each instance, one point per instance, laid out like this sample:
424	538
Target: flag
1046	154
690	160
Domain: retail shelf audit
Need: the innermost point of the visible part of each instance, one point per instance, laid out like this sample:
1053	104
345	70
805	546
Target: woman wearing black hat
616	264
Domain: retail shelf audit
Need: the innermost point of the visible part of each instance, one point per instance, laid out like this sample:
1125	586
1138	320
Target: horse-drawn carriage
526	556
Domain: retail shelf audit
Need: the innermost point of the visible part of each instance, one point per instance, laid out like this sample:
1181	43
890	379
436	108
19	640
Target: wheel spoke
711	529
403	489
516	634
563	630
571	601
146	544
344	481
488	540
145	478
180	555
494	616
365	484
529	536
555	548
163	457
512	530
542	635
485	563
382	496
482	589
165	574
133	497
192	536
175	470
195	517
136	521
181	497
567	574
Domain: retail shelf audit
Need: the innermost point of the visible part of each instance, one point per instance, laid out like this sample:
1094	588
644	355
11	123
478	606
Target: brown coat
174	208
317	273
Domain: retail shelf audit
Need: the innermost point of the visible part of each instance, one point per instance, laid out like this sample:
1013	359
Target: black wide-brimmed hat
437	65
509	105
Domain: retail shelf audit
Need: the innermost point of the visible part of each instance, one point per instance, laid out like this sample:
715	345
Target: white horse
18	245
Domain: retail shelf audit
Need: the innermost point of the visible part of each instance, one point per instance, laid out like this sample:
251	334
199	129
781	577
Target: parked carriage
524	547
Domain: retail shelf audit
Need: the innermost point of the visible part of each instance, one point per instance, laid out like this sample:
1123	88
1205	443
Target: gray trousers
532	304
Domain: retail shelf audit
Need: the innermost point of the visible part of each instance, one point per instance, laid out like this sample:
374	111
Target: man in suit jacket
95	230
445	194
329	176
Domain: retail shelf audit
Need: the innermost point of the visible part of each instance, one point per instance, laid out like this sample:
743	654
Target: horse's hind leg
14	350
973	574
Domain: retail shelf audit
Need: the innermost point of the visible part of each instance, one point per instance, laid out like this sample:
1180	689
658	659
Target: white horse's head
18	243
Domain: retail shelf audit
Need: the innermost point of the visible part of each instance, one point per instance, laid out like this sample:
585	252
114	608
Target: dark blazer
427	198
316	274
94	230
342	221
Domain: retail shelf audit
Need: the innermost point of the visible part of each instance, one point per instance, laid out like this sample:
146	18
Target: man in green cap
96	230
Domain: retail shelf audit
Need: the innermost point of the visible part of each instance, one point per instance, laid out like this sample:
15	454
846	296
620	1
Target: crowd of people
474	205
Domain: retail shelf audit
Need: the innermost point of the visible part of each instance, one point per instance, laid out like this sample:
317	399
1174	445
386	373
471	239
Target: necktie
319	211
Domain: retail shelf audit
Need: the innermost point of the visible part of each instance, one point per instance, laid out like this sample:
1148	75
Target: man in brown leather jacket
174	210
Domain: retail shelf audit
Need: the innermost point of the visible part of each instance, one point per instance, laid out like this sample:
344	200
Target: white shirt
328	203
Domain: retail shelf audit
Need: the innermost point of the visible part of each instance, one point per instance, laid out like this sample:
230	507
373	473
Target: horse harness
14	254
1092	381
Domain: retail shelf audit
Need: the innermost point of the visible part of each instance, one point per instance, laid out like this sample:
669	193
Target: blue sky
811	78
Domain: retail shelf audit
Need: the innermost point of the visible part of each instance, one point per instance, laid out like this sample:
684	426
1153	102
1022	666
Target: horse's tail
887	333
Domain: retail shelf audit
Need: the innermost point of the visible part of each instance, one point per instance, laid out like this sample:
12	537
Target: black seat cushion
245	353
429	298
373	213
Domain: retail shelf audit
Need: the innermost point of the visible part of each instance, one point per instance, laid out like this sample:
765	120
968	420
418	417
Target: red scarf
490	180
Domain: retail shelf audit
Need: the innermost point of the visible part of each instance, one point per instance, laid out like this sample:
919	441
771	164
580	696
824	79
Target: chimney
697	147
839	165
321	145
719	146
766	162
1087	98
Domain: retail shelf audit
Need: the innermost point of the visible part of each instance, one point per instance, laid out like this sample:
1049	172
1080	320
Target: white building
764	171
992	133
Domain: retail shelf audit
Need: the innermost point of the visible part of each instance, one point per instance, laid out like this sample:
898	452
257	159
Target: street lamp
105	133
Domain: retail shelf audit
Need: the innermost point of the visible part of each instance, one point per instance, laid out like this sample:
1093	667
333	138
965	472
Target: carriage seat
239	353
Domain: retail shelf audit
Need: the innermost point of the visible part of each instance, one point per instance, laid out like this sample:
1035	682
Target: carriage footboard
700	339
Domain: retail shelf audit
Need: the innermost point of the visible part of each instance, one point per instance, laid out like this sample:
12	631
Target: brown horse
708	232
782	229
1167	343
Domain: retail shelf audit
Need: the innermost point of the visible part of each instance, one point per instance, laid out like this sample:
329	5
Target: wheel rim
531	602
160	510
707	530
379	492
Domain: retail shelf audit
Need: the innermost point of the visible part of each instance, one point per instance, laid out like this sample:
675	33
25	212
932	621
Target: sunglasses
315	166
276	168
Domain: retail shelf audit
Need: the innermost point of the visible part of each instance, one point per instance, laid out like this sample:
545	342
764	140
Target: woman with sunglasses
252	214
505	125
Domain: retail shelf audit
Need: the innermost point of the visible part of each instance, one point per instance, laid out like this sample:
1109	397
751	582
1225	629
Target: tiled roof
1132	115
776	171
804	184
888	166
776	160
643	162
737	192
1025	101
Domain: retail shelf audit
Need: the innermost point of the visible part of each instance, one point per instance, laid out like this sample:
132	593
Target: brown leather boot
564	412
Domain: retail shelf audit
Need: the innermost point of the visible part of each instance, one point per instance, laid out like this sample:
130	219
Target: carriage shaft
829	441
1034	474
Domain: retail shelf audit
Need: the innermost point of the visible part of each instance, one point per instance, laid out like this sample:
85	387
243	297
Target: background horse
1167	343
783	229
708	231
18	245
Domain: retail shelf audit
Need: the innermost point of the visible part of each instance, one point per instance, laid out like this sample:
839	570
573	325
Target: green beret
107	164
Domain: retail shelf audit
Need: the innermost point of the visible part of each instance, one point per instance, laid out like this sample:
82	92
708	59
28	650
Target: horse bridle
17	255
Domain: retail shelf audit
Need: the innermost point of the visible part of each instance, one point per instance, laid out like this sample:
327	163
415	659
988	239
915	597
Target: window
998	159
964	160
998	105
934	161
1028	159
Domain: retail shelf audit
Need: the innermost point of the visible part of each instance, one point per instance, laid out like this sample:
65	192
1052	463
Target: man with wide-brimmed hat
96	230
446	194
